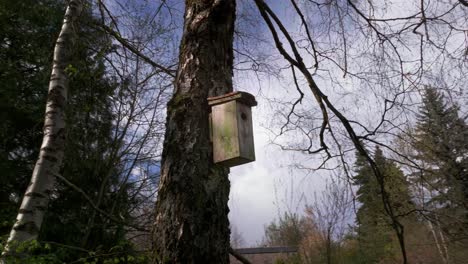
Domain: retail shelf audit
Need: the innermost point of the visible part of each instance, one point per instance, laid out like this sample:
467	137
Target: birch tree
31	213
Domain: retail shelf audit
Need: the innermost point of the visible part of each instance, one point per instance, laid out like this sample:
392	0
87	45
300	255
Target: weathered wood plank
231	128
225	132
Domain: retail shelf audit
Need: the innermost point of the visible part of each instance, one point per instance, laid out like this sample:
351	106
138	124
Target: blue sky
273	183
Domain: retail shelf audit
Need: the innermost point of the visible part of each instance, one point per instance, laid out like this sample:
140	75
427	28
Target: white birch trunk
443	242
36	198
437	243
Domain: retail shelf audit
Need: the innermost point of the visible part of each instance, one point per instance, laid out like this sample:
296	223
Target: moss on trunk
191	224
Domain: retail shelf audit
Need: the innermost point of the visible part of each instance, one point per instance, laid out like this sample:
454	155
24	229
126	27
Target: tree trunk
191	224
36	198
329	261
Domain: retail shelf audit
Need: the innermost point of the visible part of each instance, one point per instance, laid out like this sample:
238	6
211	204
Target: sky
262	189
271	185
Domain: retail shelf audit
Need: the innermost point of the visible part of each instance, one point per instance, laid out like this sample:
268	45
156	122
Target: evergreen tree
374	231
92	161
28	30
441	144
91	158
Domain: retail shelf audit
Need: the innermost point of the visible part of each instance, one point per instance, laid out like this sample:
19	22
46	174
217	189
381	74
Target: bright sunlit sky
267	187
270	186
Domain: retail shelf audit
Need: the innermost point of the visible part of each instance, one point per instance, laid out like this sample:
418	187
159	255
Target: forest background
396	70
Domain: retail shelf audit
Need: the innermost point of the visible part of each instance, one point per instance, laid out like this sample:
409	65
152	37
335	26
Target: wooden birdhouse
231	128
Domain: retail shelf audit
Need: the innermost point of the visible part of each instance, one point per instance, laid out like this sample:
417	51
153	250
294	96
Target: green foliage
33	252
441	147
28	31
441	143
374	232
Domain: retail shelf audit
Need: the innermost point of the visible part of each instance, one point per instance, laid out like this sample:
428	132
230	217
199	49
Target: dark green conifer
28	30
375	234
441	144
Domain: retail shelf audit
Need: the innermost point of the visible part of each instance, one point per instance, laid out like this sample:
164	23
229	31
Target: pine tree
374	229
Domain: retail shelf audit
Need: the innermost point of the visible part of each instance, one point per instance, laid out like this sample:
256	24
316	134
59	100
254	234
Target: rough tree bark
36	198
191	224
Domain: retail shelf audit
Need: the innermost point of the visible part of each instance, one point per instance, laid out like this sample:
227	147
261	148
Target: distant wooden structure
264	255
231	128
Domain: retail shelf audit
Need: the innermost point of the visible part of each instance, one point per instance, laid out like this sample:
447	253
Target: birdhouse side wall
245	134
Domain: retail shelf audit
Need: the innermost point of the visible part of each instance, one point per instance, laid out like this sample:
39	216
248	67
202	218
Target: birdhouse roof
242	97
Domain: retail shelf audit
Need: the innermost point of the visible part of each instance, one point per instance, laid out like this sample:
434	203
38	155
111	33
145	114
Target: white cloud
260	189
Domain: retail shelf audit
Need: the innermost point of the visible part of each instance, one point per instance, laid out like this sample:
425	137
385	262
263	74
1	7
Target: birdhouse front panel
224	131
231	128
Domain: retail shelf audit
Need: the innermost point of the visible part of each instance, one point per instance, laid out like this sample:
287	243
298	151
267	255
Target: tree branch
129	46
99	210
238	256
